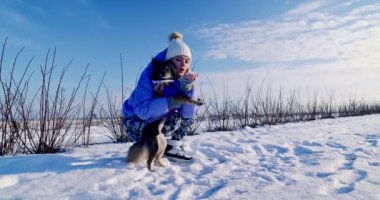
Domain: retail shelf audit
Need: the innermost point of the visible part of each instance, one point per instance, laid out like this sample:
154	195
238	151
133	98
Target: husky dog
163	73
151	147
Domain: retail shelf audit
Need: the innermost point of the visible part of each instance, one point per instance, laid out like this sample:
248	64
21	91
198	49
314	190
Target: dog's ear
156	62
157	66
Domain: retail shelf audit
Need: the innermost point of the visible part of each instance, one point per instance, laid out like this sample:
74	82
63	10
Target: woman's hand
191	76
186	82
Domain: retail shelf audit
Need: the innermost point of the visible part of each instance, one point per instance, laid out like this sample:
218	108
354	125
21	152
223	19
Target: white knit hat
177	47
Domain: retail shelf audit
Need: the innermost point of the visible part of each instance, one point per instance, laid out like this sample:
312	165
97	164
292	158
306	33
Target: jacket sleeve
173	90
143	101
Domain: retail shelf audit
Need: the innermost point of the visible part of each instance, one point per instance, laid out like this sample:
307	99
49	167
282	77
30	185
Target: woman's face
182	64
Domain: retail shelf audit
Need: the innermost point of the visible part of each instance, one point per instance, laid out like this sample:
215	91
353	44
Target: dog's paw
152	169
200	102
162	163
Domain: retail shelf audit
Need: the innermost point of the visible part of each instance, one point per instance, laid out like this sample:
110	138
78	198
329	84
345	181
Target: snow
324	159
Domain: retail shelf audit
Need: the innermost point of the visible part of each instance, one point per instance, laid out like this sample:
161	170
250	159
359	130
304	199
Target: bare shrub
245	109
111	113
41	122
265	107
220	114
89	115
11	90
55	110
112	120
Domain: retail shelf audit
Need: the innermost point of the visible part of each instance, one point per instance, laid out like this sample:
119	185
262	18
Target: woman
145	105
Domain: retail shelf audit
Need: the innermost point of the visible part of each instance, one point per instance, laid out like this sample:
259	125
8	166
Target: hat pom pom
175	36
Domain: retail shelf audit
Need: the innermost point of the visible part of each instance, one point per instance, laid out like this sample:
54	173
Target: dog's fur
164	71
151	147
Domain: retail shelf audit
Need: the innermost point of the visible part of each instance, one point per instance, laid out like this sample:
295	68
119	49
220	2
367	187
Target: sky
324	45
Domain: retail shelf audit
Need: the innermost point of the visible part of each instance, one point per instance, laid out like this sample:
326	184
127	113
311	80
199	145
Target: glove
186	82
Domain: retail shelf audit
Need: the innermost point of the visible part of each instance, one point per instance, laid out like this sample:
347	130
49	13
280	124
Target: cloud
348	3
309	49
306	36
305	8
16	19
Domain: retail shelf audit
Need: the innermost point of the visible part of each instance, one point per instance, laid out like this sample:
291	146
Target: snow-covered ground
325	159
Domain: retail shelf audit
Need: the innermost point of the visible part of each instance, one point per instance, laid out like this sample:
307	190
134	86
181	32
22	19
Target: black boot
175	152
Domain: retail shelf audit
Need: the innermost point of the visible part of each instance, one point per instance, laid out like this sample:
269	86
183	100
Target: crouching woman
146	104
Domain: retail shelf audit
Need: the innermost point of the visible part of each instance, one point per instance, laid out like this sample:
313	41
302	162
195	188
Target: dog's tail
137	153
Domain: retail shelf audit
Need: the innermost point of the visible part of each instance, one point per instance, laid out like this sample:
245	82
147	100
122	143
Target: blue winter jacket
143	102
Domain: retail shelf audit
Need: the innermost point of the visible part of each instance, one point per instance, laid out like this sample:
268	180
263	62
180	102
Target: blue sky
327	44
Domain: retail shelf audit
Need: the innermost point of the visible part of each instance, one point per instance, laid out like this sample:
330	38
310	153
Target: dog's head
163	70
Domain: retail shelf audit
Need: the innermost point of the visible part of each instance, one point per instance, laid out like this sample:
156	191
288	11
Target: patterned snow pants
174	126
